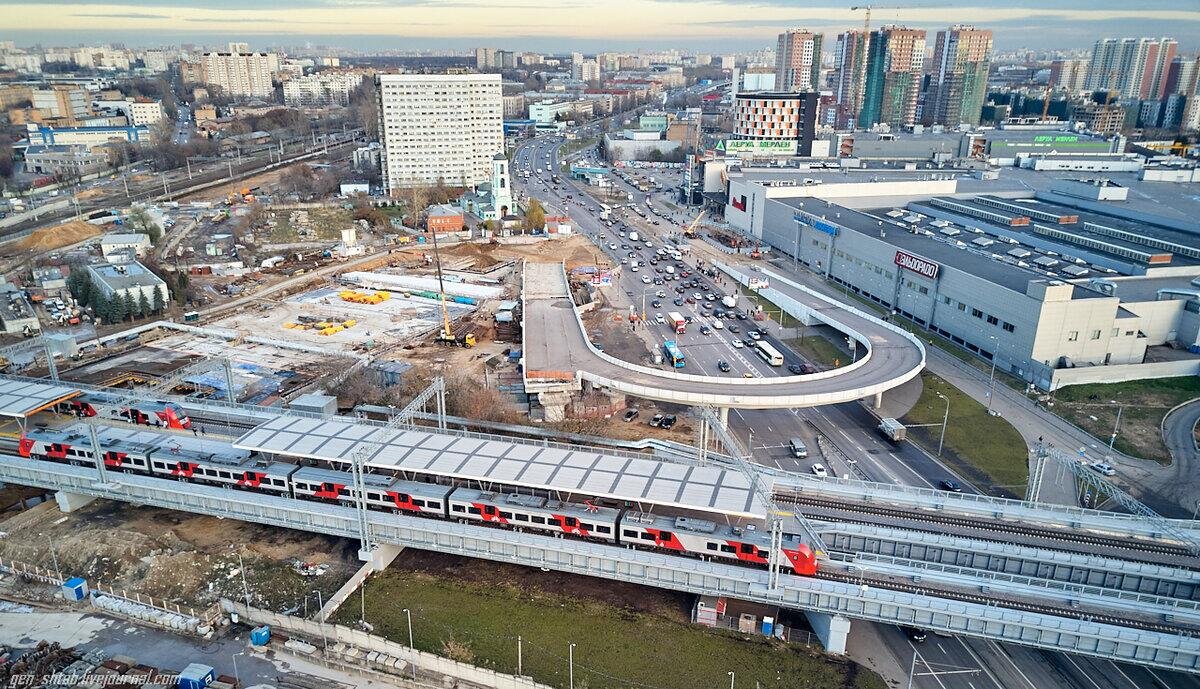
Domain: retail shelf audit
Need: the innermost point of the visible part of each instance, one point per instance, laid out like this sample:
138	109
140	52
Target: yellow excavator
446	336
690	232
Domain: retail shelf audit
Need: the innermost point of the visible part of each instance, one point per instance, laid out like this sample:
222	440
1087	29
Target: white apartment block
246	75
439	126
146	113
318	90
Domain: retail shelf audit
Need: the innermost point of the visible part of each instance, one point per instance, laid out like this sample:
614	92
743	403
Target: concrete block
832	630
69	502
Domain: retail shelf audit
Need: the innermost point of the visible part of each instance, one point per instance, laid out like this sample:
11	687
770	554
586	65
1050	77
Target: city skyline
721	25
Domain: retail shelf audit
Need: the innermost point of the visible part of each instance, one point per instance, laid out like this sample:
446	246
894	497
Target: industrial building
1058	280
439	128
131	278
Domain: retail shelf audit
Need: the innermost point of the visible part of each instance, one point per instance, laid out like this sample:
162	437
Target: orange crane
690	231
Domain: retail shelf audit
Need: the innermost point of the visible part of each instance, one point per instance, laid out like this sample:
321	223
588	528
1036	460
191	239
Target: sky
567	25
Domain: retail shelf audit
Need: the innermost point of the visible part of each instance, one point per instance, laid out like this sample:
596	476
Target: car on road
690	300
950	485
1103	468
723	366
733	329
705	330
749	341
819	469
914	635
737	344
697	296
630	415
633	268
754	334
747	374
678	301
741	316
645	278
717	325
660	294
668	421
659	318
794	369
656	303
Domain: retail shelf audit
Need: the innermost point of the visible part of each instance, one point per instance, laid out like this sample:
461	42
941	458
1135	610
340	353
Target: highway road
849	427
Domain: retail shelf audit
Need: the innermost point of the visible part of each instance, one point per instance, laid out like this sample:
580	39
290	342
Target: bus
769	353
674	354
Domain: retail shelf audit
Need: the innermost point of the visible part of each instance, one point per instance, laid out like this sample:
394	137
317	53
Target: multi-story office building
787	118
1134	67
144	112
324	88
798	61
958	83
895	60
241	74
434	127
1069	75
850	63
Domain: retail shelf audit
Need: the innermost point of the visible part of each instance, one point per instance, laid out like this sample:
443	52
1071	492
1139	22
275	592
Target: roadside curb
1162	425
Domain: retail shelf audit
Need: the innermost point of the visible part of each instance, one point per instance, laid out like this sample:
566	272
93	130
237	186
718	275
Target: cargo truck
678	322
893	430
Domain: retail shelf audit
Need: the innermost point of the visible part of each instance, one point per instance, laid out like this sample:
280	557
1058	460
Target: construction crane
867	13
690	231
446	336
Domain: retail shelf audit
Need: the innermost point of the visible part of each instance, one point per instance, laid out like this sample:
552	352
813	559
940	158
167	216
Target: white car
660	319
819	470
645	279
738	344
1105	469
633	268
717	325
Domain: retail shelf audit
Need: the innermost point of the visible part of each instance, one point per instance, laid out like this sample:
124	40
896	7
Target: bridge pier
378	558
375	560
832	630
69	502
878	401
724	411
554	404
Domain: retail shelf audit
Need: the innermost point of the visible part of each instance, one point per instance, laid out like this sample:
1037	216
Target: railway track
990	528
1004	602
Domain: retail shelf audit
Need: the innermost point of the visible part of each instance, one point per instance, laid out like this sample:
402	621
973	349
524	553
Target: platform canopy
530	465
20	399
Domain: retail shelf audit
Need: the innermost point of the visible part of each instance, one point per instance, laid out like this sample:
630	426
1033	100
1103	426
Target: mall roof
528	465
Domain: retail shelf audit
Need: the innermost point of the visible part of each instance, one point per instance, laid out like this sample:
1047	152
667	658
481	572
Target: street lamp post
54	556
324	639
732	677
571	666
237	676
992	378
1116	426
945	420
408	616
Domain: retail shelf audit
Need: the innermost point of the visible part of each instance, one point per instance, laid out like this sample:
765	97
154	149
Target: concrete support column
832	630
724	411
69	502
380	556
878	400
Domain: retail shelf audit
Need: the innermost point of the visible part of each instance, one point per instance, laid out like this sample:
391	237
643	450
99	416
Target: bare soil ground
51	238
575	250
174	556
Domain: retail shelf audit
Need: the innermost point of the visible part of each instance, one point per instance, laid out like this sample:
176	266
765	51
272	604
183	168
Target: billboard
817	224
917	265
755	147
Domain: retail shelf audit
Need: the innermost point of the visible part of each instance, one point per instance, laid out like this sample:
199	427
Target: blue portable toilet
768	625
75	588
195	676
259	636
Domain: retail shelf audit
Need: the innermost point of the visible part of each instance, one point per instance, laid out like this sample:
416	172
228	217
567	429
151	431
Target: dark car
950	485
667	422
630	415
680	289
678	301
705	330
741	316
795	369
656	303
914	635
723	366
807	369
733	329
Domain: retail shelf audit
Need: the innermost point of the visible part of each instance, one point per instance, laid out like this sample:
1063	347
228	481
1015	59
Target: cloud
119	15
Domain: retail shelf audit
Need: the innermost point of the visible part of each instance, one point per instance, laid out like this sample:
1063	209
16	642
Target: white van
798	448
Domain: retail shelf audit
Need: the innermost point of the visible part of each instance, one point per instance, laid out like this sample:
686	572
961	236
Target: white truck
729	300
893	430
633	237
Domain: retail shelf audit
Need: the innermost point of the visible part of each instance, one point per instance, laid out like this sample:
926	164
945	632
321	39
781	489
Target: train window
629	533
587	527
457	508
373	496
433	505
571	521
603	529
665	535
160	465
647	536
538	520
473	510
506	515
749	548
224	474
711	546
418	502
522	517
728	549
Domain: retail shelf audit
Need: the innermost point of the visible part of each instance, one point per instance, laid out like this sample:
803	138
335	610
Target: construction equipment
756	254
447	336
690	231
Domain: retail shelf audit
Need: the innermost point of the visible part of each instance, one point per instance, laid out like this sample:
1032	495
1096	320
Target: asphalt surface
855	448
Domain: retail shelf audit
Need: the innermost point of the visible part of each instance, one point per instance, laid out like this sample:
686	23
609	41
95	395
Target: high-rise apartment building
587	70
798	61
435	127
850	64
485	58
895	57
958	82
241	74
1069	75
321	89
787	118
1133	67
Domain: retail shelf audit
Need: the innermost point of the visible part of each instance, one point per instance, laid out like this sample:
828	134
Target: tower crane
447	336
867	13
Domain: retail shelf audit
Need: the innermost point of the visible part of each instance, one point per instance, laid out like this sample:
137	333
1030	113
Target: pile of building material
357	297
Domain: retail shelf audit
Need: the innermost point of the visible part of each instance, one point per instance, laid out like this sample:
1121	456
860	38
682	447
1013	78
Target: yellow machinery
447	336
690	232
356	297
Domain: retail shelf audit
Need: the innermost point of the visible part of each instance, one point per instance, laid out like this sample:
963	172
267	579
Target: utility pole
945	421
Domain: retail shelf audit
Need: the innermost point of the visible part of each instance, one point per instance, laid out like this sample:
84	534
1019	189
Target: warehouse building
1056	289
132	279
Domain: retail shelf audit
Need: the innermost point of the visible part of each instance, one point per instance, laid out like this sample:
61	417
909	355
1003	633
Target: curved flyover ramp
558	353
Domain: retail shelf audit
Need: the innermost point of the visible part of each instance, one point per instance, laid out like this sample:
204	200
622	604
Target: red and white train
146	413
680	535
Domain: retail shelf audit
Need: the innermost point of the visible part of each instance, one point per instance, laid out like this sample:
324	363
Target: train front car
749	544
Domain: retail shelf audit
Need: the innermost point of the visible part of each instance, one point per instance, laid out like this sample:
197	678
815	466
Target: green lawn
820	350
479	621
1143	404
985	448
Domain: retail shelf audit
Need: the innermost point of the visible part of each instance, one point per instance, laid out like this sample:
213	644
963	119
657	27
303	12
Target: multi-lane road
852	446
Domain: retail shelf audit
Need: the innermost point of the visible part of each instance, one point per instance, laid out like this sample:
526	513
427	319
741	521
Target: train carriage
156	414
383	492
72	447
703	538
535	513
246	472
